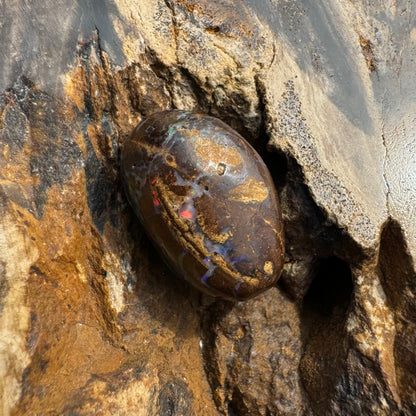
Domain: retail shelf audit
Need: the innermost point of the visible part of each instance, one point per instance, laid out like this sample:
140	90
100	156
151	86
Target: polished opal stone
208	202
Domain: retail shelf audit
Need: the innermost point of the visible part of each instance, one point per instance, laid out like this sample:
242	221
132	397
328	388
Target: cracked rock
92	321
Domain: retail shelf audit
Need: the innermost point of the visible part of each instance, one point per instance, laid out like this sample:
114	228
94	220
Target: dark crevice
276	161
260	141
237	405
278	167
325	343
398	278
309	233
396	268
330	291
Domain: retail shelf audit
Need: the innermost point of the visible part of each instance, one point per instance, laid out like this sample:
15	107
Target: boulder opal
208	202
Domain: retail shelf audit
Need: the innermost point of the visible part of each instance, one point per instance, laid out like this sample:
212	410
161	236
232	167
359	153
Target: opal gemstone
208	202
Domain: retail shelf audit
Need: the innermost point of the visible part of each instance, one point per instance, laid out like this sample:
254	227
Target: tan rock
91	321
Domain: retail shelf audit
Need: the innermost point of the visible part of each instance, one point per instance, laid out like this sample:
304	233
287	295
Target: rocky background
93	323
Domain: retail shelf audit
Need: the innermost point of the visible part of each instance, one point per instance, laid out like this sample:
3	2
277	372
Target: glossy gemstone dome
208	202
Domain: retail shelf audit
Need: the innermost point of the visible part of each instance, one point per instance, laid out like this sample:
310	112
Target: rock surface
92	322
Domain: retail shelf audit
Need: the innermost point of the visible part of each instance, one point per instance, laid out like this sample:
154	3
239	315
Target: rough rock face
92	322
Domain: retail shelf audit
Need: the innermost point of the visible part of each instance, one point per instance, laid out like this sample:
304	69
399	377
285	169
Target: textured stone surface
91	322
